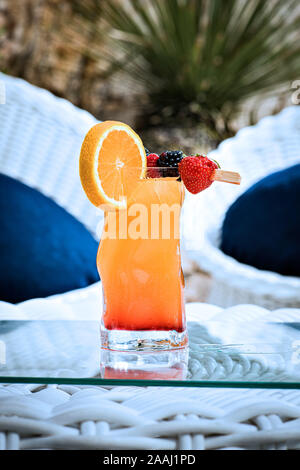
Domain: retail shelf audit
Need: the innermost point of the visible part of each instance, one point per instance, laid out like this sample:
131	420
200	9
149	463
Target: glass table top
220	354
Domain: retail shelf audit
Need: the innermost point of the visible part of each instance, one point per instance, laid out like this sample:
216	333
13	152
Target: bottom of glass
148	340
146	365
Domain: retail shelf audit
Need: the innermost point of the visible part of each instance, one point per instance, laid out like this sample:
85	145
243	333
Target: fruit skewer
197	172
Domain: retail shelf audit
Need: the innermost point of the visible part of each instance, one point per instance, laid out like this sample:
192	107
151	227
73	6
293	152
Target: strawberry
196	172
153	171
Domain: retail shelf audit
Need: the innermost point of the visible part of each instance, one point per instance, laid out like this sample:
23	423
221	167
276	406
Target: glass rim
124	167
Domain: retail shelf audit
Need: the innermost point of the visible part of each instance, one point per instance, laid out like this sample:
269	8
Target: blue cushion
43	249
262	227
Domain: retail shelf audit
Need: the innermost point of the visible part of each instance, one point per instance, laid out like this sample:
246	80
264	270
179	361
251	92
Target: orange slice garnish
112	160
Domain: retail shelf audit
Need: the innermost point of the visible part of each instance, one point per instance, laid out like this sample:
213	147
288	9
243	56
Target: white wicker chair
35	127
271	145
40	139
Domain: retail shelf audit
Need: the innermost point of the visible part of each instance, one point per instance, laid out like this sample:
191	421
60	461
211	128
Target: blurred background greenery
189	72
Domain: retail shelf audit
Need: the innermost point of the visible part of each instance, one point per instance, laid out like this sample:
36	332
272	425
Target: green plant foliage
200	60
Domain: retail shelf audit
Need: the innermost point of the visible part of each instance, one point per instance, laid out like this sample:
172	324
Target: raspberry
196	172
152	171
170	158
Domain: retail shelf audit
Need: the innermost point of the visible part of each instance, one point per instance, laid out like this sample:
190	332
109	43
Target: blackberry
170	158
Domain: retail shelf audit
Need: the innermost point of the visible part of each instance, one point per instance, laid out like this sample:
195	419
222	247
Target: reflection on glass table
242	354
167	365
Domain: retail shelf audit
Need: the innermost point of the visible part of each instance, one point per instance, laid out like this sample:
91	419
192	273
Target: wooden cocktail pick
226	176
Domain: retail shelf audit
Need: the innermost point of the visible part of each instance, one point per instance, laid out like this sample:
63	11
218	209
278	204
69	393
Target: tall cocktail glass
140	266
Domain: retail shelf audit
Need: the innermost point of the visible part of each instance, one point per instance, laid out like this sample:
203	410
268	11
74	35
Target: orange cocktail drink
139	263
139	253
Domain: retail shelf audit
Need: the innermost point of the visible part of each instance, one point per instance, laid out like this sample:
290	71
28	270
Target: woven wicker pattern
271	145
69	417
40	140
